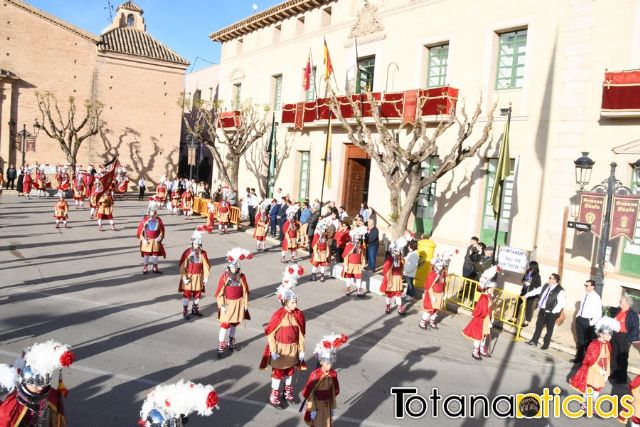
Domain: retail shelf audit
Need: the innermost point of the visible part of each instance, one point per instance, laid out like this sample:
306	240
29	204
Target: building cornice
267	17
52	19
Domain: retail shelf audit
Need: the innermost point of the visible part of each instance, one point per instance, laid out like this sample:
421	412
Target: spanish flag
328	68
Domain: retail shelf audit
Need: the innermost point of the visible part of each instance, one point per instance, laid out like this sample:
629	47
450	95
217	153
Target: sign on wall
513	259
591	211
624	215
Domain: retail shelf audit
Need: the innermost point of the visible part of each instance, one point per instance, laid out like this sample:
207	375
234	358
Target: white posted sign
513	259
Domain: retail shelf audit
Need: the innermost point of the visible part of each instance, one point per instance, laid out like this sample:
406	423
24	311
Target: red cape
183	258
474	328
276	318
428	284
386	272
160	225
579	380
316	376
13	413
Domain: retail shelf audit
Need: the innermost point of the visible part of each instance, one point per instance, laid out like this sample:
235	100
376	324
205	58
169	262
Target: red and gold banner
299	119
410	106
592	211
624	216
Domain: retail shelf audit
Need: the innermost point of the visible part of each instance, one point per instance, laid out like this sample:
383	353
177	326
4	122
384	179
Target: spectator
142	185
244	204
313	222
232	197
342	214
341	239
552	302
470	258
359	221
530	281
372	242
410	268
588	314
11	177
206	191
253	205
273	217
282	217
332	209
20	179
622	340
486	260
305	216
365	212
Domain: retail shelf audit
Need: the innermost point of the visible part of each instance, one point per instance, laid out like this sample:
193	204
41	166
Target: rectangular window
437	66
311	93
277	92
300	25
630	259
425	204
276	33
305	175
237	89
512	49
326	16
488	226
366	67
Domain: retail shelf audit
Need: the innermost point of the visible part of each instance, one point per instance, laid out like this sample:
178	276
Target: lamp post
24	134
610	187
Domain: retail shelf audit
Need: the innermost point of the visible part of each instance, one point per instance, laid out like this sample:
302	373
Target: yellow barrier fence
200	206
508	308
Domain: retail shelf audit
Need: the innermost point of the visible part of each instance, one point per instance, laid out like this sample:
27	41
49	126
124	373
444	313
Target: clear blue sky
182	25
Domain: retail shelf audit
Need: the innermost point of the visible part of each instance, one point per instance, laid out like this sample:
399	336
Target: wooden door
355	185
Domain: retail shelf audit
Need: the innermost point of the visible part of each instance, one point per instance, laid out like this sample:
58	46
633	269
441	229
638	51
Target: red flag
306	79
328	68
107	179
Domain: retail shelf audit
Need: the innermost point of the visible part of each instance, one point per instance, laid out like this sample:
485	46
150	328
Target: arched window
130	20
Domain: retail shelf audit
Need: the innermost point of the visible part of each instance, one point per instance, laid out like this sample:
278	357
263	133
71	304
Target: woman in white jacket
410	267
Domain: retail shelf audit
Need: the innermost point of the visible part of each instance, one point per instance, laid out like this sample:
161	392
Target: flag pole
326	146
495	236
271	151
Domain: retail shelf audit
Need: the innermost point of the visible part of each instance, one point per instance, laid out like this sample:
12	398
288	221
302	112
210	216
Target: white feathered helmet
266	204
322	226
607	325
291	275
397	246
443	259
167	405
211	207
487	280
358	233
234	256
291	212
8	378
196	238
153	206
38	362
327	348
285	294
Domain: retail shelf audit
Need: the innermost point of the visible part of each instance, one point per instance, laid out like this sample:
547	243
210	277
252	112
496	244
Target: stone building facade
136	77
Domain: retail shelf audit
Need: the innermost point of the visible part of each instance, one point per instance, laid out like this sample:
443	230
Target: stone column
6	89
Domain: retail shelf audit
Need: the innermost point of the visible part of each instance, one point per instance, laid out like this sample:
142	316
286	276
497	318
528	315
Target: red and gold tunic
433	296
480	323
105	208
79	190
320	254
392	277
61	210
232	297
15	414
321	391
290	230
175	199
285	336
161	192
151	233
224	212
354	260
595	367
195	266
187	201
41	180
63	181
262	222
26	184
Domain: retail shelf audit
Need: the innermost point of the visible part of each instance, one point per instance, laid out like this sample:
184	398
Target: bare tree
257	161
401	162
228	143
71	127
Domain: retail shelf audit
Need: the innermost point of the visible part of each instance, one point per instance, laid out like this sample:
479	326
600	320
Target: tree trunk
232	172
407	207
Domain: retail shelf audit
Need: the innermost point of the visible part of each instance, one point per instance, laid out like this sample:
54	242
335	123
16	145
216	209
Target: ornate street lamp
192	145
584	166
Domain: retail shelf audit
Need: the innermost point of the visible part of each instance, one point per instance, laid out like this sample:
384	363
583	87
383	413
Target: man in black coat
313	222
12	174
622	340
282	217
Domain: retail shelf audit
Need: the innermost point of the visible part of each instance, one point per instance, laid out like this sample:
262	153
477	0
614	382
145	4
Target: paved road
85	288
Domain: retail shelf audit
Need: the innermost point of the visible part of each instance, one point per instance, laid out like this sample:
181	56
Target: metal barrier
464	293
200	206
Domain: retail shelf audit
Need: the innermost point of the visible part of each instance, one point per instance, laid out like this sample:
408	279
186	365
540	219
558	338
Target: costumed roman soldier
392	273
262	225
290	229
122	181
596	365
320	250
87	178
61	211
187	203
479	327
285	346
105	210
63	179
41	182
194	275
232	298
79	189
170	404
322	387
93	199
433	295
633	417
151	234
161	191
354	256
26	183
224	214
211	217
32	401
176	201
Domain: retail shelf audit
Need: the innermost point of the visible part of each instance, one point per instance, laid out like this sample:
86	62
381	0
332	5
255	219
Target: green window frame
437	65
305	175
277	92
630	258
488	225
311	93
512	50
425	203
237	89
366	68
